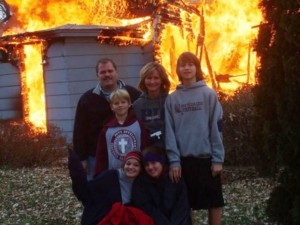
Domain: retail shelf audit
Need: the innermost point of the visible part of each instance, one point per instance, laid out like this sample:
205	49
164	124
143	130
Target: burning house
50	63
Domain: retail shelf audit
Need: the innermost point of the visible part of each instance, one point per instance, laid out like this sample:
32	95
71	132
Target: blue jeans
91	165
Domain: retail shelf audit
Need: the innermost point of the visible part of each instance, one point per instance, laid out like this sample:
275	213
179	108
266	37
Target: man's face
107	76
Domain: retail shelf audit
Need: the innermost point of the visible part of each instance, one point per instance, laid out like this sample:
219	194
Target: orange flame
228	35
221	35
33	91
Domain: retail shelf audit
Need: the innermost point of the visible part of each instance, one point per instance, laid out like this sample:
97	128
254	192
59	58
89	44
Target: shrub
21	146
238	114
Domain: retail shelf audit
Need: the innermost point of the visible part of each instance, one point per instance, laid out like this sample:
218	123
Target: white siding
69	71
10	92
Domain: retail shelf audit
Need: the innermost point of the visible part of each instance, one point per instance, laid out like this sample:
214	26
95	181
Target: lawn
43	196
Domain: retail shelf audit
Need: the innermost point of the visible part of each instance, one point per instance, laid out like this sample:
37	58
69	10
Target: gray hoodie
193	117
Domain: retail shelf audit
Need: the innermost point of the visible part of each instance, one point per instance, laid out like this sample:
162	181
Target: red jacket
126	215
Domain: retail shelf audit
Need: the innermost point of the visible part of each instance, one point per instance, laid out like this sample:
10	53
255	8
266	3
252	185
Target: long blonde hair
147	70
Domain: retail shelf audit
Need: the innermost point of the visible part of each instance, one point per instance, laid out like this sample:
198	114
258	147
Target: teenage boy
194	139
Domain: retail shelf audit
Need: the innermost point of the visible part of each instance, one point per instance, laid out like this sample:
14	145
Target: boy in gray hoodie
193	117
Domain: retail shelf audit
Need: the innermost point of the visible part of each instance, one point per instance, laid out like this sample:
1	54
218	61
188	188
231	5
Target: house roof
74	30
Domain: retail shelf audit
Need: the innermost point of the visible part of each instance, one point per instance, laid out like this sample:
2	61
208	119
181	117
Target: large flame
226	29
33	91
221	35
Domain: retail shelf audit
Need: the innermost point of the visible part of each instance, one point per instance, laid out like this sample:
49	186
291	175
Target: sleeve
78	176
145	137
79	132
101	161
181	209
216	139
171	144
142	200
133	92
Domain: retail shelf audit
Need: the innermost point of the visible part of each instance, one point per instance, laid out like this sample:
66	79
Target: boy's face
187	72
120	106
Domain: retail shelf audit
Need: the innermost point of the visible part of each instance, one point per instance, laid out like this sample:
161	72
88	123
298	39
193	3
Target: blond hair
148	69
118	95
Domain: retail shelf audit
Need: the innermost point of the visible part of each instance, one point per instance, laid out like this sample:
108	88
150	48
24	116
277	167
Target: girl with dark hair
155	194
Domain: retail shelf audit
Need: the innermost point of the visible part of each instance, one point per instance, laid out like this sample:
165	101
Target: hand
85	166
175	174
216	169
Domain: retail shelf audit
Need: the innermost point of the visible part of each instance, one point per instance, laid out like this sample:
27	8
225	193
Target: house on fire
70	53
69	68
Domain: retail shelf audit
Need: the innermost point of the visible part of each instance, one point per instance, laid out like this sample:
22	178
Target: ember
220	33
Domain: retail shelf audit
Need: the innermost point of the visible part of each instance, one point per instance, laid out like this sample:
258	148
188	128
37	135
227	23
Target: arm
133	92
171	144
216	138
79	133
145	140
78	176
101	162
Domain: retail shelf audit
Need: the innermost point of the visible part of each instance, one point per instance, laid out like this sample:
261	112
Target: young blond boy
121	134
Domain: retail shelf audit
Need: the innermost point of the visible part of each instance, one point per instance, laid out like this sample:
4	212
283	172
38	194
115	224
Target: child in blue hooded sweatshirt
194	138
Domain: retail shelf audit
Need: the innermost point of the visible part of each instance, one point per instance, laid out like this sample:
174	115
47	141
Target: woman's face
154	169
153	83
132	168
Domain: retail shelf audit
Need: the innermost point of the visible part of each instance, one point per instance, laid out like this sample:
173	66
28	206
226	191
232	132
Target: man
93	109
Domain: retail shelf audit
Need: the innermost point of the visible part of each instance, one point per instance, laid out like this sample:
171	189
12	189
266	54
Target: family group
145	155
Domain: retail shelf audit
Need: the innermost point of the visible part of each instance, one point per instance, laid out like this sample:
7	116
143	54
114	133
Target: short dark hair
188	57
104	61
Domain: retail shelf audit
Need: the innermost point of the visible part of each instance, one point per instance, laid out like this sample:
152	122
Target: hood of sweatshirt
197	84
113	122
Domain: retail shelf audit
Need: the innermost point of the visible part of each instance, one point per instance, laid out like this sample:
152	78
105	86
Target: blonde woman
149	107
